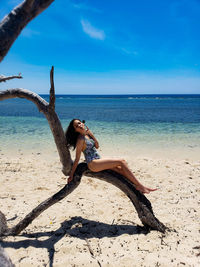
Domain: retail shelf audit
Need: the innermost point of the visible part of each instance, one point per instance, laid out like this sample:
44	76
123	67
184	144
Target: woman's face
79	126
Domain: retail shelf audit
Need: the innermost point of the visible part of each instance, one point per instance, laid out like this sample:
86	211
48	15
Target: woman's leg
98	165
119	166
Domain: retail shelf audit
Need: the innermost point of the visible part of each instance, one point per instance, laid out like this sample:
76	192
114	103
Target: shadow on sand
76	227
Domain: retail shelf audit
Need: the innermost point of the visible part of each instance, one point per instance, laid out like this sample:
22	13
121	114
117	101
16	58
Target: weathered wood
12	24
10	28
52	97
60	140
66	190
139	200
3	223
41	104
4	78
141	203
52	118
5	261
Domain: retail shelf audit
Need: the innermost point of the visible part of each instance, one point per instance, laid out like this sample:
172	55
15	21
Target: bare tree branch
23	93
4	78
66	190
12	24
53	120
3	224
52	90
5	261
10	28
139	200
141	203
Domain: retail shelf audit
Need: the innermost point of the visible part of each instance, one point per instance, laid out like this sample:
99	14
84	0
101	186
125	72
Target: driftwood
10	28
5	261
141	203
12	24
48	110
4	78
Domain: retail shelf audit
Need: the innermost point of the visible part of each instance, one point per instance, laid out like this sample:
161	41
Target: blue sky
108	47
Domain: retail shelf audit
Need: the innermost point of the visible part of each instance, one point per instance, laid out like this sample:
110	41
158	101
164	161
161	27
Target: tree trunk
141	203
53	121
5	261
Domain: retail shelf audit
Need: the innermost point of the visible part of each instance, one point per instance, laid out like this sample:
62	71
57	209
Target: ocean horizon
143	122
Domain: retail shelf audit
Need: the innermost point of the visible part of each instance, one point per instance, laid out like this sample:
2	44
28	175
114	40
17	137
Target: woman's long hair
71	135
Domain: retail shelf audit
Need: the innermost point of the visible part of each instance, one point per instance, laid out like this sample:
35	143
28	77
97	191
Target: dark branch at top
12	24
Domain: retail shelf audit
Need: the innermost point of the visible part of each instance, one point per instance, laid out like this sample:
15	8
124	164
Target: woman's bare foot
144	189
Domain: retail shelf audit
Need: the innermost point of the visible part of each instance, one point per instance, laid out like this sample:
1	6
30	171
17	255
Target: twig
100	251
197	247
4	78
13	218
91	252
90	249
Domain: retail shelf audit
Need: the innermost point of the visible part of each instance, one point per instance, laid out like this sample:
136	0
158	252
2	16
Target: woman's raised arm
89	132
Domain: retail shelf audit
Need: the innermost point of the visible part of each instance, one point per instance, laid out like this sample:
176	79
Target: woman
80	137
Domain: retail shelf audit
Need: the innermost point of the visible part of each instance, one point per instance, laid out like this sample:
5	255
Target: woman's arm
79	147
96	143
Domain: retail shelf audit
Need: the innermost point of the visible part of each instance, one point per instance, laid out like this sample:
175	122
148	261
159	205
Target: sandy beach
97	225
130	73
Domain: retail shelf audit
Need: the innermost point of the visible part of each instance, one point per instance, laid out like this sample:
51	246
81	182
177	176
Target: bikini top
90	152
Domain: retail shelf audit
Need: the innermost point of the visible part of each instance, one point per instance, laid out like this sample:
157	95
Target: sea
144	125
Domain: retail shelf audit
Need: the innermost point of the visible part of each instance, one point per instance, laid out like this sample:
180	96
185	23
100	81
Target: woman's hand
88	131
96	144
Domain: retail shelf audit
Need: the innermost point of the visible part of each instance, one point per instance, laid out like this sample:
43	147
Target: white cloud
92	31
83	6
27	32
129	51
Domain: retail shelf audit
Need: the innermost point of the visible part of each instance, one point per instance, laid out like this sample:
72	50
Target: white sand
97	225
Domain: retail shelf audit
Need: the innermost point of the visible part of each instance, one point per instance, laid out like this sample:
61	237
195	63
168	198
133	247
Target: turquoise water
129	122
